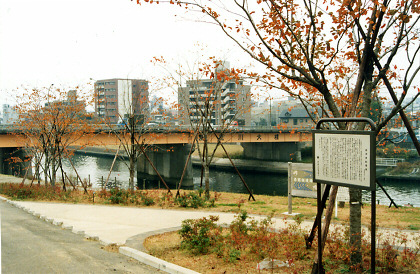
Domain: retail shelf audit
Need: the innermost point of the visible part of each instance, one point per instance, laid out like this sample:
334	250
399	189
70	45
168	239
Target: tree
335	55
52	119
213	99
126	114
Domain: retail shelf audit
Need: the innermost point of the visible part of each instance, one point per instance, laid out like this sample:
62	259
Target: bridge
172	145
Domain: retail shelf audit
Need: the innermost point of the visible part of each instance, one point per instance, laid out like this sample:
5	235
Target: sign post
345	158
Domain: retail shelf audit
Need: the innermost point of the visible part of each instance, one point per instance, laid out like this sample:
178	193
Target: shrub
191	200
199	235
147	201
117	196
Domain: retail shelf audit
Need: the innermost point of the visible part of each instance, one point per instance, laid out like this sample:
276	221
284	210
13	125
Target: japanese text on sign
343	159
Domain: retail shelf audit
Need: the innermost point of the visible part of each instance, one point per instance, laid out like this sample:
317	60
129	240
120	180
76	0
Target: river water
97	168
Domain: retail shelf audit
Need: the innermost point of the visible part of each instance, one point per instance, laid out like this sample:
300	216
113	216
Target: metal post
289	189
319	206
373	232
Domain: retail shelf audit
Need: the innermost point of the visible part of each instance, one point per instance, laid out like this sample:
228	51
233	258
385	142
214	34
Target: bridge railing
388	161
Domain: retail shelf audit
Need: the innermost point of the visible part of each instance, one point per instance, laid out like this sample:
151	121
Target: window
295	122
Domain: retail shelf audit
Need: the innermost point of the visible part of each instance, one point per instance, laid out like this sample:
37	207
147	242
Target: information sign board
345	158
301	180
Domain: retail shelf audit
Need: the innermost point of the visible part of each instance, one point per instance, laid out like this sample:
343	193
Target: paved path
130	225
30	245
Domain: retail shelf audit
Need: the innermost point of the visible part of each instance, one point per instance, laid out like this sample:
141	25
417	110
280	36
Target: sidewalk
129	226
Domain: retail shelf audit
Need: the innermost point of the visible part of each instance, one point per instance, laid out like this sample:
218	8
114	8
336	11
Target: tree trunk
207	180
132	169
46	169
355	226
53	172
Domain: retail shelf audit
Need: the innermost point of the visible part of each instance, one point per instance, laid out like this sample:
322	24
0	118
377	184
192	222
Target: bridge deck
8	139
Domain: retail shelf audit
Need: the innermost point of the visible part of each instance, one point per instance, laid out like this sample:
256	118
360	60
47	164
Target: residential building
78	105
10	114
295	118
117	99
229	101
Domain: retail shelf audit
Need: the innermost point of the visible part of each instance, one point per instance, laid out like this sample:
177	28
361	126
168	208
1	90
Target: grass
236	259
238	250
406	218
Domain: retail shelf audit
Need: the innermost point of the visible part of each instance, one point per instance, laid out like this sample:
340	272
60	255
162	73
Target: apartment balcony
228	114
228	99
226	92
226	107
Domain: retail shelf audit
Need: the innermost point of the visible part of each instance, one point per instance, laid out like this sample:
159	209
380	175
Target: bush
404	168
118	196
191	200
199	235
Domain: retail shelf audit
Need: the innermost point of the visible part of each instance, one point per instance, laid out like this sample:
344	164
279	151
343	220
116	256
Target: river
97	168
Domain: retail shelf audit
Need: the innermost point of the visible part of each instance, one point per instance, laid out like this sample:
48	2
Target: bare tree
313	49
52	119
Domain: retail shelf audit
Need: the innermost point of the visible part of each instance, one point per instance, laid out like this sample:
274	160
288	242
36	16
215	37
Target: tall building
230	100
116	99
10	114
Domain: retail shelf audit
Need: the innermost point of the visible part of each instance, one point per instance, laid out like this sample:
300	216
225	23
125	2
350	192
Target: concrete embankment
100	151
242	165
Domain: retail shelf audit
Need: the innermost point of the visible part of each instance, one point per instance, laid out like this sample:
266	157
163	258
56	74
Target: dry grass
166	247
407	218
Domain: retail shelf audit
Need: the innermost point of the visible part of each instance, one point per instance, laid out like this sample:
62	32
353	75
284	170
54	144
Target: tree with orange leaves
212	99
336	55
52	120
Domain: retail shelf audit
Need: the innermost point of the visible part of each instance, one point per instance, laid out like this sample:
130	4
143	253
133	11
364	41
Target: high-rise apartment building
229	100
10	114
117	99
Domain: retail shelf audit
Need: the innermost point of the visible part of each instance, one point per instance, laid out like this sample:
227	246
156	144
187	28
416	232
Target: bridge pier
169	161
282	152
14	161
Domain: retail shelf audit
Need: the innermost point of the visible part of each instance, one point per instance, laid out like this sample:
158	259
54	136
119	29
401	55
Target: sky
71	42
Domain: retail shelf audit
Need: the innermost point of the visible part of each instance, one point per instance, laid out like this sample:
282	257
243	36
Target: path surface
30	245
128	226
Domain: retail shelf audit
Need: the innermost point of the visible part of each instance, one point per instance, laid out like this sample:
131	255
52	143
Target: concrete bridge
171	147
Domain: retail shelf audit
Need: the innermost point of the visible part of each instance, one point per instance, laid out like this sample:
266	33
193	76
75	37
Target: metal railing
388	161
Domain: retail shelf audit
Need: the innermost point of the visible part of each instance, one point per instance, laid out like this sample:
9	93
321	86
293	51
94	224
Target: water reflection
400	191
225	181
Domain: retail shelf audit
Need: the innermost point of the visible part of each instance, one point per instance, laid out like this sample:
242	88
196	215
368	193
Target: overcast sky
68	42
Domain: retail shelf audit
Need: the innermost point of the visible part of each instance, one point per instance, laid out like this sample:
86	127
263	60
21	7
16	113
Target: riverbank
246	165
243	165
